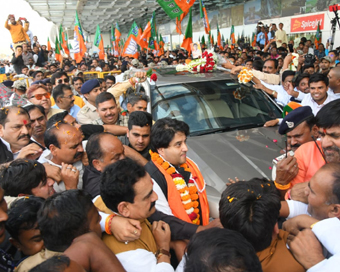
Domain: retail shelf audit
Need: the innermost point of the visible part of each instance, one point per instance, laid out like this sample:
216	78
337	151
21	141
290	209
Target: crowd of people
90	182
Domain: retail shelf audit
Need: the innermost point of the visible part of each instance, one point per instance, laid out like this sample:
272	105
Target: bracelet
108	222
282	187
311	226
273	93
131	81
161	252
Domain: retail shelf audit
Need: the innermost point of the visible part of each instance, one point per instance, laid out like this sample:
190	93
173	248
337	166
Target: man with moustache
127	189
64	99
108	111
299	127
38	121
312	155
65	151
314	227
15	134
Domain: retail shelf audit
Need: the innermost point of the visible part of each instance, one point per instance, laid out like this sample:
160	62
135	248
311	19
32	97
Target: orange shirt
309	160
277	257
18	33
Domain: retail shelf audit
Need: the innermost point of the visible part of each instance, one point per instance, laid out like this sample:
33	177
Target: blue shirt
261	38
73	111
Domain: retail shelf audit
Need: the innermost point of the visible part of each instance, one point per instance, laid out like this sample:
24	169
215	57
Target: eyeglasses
40	96
61	81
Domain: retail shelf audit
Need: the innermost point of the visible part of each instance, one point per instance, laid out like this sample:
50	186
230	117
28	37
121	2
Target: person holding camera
18	32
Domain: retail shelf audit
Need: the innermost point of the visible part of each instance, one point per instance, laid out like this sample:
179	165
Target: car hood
242	153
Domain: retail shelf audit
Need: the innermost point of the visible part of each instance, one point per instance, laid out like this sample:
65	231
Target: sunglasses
40	96
61	81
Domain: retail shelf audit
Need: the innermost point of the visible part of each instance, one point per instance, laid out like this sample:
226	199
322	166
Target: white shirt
162	203
309	101
282	96
327	232
30	35
301	95
46	156
296	208
35	58
142	260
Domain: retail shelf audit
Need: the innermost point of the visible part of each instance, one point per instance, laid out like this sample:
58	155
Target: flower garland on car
188	193
245	75
206	64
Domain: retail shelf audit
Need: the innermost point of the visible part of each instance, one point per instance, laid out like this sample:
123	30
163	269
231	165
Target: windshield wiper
209	131
245	126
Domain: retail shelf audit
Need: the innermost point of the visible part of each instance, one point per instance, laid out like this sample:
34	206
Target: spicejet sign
307	23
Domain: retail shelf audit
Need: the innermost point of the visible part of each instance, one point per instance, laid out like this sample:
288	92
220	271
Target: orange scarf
174	198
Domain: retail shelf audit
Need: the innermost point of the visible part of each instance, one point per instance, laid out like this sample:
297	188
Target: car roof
169	76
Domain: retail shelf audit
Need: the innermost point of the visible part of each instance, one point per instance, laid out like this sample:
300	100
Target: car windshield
213	106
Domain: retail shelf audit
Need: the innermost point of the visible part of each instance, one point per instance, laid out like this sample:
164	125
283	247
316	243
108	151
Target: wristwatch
273	93
161	252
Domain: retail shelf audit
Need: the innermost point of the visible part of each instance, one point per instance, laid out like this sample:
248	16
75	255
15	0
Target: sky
20	8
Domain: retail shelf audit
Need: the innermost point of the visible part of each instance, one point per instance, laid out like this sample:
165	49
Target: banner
307	23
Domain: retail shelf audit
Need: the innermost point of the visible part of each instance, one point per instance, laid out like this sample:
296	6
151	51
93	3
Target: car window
221	104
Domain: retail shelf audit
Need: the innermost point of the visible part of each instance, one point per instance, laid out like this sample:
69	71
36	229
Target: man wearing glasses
64	98
38	95
62	78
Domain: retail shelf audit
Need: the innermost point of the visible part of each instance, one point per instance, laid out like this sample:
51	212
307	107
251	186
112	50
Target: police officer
88	113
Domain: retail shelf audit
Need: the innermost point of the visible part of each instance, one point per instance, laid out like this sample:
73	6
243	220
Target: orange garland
190	198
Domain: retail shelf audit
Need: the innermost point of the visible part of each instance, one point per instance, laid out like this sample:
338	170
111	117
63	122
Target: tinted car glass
211	106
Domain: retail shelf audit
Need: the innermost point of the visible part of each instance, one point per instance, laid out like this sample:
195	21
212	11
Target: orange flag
187	41
79	44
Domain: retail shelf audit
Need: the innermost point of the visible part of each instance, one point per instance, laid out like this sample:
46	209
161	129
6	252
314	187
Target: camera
309	59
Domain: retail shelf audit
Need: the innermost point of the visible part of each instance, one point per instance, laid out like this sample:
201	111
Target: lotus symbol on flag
132	47
296	24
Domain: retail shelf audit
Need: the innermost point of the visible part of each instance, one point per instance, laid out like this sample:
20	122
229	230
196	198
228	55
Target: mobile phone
291	49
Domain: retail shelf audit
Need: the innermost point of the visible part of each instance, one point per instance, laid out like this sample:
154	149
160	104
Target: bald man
102	149
334	81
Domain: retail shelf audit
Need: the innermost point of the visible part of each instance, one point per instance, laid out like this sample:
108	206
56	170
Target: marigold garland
188	193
